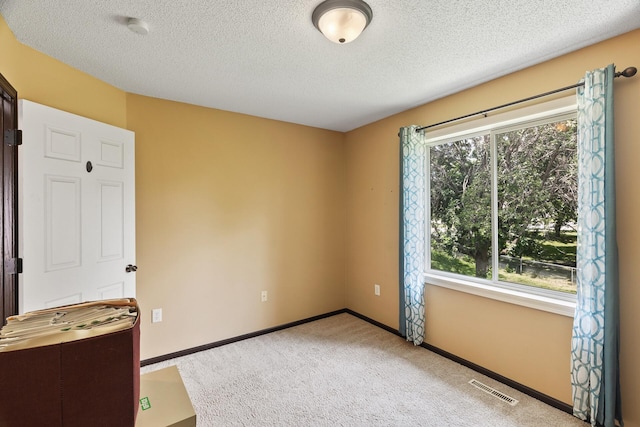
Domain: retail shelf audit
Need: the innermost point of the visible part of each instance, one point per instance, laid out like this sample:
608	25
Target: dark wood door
8	193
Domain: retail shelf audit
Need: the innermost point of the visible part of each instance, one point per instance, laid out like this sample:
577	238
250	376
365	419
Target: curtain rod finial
627	72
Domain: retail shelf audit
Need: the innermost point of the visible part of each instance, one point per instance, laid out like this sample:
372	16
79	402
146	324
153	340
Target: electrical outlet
376	289
264	296
156	315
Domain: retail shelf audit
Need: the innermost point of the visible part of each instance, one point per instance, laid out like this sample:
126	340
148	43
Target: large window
502	205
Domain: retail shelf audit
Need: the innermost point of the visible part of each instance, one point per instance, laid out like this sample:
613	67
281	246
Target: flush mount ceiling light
342	21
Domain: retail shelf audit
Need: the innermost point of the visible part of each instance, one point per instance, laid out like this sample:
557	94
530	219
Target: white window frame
537	298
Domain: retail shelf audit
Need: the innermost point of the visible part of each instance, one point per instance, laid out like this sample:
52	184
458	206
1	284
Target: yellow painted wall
229	205
528	346
42	79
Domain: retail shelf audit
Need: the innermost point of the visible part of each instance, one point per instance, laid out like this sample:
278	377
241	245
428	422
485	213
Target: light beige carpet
343	371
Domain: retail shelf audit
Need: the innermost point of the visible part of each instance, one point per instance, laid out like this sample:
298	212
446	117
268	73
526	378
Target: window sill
512	296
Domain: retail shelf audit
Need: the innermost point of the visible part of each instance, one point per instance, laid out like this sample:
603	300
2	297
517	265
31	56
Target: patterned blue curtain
413	158
595	342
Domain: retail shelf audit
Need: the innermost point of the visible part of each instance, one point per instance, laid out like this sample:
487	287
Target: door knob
131	268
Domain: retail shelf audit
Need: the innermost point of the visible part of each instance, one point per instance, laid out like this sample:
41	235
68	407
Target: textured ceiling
266	58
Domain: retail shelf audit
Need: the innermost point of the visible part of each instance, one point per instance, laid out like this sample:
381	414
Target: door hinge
13	266
13	137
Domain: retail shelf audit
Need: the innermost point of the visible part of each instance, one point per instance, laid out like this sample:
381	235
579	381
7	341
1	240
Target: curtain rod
627	72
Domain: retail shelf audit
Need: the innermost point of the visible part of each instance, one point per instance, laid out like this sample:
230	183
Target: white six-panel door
76	209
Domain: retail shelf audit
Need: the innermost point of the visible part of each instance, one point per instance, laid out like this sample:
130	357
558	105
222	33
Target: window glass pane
460	183
537	201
